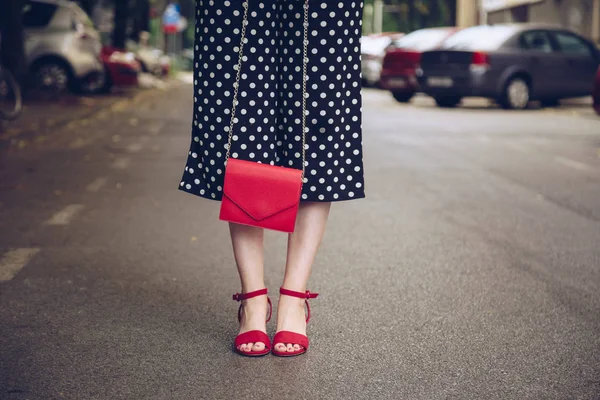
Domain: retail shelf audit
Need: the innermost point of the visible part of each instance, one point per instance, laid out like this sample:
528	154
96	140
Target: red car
596	93
121	68
402	59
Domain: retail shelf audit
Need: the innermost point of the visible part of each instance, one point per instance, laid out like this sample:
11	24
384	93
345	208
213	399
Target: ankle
291	302
254	302
255	286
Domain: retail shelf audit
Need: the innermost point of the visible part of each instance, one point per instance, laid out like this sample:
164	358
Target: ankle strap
301	295
246	296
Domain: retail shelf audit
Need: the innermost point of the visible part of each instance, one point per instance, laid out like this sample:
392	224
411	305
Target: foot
254	315
290	317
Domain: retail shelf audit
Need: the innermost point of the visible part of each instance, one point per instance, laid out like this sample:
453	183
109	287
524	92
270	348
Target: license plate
397	82
440	81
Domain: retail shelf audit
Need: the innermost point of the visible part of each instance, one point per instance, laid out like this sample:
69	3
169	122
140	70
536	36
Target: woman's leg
302	249
248	252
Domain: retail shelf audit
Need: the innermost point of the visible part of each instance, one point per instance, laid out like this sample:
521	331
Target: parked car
402	58
151	60
372	53
62	47
121	68
511	63
596	94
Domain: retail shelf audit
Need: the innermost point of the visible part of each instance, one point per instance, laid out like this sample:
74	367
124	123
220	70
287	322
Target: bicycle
11	101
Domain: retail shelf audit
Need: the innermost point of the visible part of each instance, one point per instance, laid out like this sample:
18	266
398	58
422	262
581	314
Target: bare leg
249	256
302	249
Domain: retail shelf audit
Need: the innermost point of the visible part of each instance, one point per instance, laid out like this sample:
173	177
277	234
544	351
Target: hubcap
518	93
53	76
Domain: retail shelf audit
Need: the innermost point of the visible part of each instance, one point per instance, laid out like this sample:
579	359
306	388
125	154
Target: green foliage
409	15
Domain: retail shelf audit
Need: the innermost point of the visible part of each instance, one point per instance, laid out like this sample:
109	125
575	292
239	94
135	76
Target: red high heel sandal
293	337
252	336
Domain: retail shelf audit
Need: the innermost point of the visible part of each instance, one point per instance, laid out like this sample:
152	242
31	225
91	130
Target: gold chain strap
236	85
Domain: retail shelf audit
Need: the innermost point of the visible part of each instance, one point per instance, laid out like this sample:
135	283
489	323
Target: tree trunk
140	19
12	52
119	35
412	13
144	15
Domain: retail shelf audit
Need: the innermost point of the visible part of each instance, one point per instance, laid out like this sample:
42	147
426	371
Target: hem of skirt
220	197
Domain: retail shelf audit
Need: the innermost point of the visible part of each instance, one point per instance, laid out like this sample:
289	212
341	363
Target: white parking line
96	185
12	262
572	163
64	216
121	163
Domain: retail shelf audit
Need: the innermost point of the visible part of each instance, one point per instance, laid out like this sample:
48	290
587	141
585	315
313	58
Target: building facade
582	16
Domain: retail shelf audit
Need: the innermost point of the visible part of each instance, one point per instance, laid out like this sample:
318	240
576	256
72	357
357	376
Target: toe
290	347
296	347
249	347
259	346
280	347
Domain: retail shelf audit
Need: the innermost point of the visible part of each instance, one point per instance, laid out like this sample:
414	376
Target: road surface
470	271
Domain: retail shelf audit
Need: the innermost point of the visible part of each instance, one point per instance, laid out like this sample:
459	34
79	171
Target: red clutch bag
261	195
256	194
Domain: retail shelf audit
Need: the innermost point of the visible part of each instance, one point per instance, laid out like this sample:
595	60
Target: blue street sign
172	15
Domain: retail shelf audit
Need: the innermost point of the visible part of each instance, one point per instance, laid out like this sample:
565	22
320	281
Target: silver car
62	46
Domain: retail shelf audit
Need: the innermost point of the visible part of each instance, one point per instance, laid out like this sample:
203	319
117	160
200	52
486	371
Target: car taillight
480	62
480	58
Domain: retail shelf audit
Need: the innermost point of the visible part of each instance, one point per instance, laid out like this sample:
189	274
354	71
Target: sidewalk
41	117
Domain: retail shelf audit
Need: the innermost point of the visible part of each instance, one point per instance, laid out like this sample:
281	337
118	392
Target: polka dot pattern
268	127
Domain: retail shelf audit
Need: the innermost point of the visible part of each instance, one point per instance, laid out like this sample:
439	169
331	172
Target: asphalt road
470	271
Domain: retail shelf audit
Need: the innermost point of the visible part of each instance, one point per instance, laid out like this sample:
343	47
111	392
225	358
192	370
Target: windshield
482	38
422	40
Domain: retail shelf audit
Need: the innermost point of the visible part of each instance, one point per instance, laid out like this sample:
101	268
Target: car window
479	38
571	44
536	40
37	15
422	40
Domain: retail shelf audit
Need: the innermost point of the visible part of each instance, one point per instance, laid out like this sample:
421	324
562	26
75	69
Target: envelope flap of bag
262	190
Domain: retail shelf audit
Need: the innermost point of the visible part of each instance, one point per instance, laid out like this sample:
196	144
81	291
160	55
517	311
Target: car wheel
448	101
53	76
516	94
107	83
402	97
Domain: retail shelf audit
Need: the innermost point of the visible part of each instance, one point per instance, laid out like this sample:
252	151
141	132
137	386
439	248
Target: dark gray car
511	63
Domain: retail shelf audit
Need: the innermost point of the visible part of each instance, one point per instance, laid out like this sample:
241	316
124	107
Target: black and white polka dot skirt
269	113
